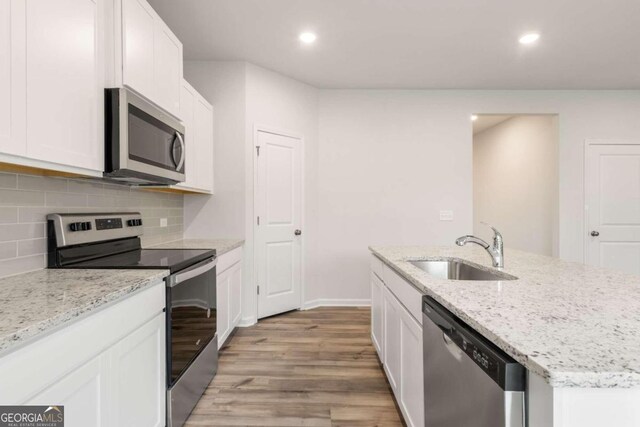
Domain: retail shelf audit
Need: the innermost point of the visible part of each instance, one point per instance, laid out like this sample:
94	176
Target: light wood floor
303	368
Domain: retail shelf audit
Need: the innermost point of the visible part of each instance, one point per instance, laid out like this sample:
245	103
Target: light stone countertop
221	246
574	325
33	304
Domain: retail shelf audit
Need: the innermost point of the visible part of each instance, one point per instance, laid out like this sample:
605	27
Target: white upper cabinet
151	55
138	29
167	51
204	147
51	84
12	78
197	117
187	103
64	83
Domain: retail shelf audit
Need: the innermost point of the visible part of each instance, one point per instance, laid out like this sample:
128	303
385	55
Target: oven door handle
192	272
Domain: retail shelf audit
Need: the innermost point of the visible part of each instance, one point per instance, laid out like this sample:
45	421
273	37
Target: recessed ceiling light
307	38
529	38
474	117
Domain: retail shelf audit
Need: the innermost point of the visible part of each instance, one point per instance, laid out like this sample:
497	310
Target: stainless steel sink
452	269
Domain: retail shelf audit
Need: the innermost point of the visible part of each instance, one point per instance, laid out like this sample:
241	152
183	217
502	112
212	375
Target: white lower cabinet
397	337
223	283
142	356
81	392
229	293
107	369
377	315
411	368
391	337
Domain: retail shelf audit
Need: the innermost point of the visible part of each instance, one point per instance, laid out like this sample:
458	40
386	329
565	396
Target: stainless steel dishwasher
468	381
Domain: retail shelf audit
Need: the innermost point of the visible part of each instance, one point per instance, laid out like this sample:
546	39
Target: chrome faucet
496	250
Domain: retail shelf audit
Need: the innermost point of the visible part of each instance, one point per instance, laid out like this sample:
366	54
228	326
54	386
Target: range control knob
80	226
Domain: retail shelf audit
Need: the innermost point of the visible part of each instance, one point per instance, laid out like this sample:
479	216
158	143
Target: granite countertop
574	325
221	246
39	302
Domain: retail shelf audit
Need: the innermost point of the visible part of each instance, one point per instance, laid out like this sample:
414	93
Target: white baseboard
330	302
247	321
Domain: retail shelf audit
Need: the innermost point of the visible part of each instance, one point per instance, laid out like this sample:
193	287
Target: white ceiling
486	121
437	44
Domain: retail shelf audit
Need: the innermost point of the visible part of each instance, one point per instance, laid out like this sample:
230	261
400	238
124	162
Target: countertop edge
25	336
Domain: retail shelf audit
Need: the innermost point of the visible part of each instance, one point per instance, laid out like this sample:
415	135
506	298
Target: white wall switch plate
446	215
163	222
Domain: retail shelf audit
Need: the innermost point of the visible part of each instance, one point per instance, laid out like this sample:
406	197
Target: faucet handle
496	233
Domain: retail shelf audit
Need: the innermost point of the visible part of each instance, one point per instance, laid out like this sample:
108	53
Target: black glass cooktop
172	259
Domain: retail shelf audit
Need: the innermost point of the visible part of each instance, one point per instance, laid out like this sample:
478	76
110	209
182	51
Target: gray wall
25	200
515	183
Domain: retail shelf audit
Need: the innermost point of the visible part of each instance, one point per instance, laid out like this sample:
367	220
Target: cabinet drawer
408	296
376	265
228	259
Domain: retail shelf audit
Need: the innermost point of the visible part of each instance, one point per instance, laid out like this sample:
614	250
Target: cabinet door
204	124
167	52
411	367
64	79
235	294
222	306
83	394
377	315
187	104
139	381
391	339
138	27
12	77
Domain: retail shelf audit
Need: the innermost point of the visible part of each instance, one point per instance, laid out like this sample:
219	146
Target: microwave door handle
193	272
181	162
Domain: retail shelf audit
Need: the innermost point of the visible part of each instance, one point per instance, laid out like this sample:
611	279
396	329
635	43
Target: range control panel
74	229
108	223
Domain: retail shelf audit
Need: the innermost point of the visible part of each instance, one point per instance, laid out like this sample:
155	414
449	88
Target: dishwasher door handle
452	347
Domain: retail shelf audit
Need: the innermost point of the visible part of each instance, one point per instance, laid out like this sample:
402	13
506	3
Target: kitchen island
575	328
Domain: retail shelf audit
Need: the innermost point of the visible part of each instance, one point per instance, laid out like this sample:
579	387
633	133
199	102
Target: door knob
594	233
297	232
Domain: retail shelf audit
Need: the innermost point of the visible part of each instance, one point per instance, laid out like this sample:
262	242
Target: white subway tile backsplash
8	215
21	198
8	180
41	183
36	214
69	200
13	266
85	187
25	201
21	231
32	247
8	250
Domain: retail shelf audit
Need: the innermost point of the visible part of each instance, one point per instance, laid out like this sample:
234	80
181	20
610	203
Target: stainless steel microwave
143	144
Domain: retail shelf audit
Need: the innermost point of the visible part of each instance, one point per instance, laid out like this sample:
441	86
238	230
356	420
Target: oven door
191	316
144	145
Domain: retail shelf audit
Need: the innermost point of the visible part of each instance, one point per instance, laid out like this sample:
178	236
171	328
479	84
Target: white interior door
278	223
612	196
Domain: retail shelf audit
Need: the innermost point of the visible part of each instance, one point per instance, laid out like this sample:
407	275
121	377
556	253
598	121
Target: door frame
585	174
257	128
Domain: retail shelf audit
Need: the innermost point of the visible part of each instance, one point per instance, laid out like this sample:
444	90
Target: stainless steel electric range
112	241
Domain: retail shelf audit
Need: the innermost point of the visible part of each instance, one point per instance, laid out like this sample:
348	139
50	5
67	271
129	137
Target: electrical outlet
446	215
163	222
